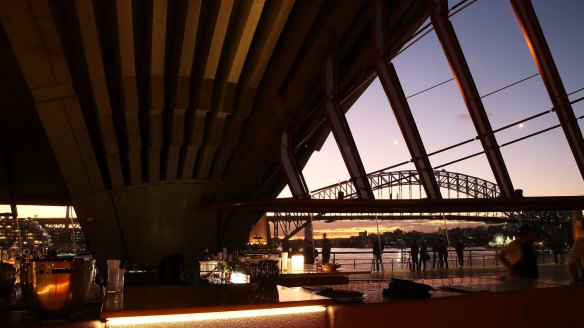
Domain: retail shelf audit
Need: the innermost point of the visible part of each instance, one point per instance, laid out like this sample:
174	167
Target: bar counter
502	302
204	298
309	276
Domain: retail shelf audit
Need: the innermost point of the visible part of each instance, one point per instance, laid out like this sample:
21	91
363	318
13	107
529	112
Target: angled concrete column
551	77
293	174
472	99
399	104
340	128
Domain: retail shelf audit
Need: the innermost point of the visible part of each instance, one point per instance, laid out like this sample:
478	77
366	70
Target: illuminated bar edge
170	318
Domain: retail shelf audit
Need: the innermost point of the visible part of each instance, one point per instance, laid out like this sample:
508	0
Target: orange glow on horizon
346	229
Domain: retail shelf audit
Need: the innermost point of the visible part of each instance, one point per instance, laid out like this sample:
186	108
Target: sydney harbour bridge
386	184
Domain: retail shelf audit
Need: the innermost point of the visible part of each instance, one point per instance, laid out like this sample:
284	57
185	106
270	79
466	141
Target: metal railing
401	260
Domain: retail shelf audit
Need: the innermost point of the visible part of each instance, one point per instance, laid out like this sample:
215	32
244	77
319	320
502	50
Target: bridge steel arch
460	183
288	224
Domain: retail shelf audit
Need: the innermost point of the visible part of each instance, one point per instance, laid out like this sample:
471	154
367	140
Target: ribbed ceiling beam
234	57
129	89
269	105
298	82
468	89
275	15
182	87
341	15
101	99
551	77
251	11
155	104
210	57
41	59
397	98
282	60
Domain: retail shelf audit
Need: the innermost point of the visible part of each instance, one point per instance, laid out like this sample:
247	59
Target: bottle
227	274
318	265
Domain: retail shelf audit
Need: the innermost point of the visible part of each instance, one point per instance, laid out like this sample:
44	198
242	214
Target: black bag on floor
407	289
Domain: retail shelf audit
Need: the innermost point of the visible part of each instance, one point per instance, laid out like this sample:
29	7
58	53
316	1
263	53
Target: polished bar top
318	273
180	299
373	291
309	276
310	269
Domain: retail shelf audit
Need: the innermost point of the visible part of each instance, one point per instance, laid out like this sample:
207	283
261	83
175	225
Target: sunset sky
498	56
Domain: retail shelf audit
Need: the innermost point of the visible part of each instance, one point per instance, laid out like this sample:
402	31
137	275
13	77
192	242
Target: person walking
378	246
434	252
326	249
519	256
414	250
445	253
459	247
424	256
441	245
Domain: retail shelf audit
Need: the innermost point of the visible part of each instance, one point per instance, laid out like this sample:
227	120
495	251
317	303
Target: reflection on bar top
373	290
175	299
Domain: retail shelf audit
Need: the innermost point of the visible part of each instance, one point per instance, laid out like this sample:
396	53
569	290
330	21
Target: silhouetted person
519	256
445	253
442	253
558	251
459	247
434	252
377	253
424	256
326	249
414	250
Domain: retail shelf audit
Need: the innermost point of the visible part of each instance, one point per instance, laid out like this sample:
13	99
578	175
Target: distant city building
363	233
61	231
26	235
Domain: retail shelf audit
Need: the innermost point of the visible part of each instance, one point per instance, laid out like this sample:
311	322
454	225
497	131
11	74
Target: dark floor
557	272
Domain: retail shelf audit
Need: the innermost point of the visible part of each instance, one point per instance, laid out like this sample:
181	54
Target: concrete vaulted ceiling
135	112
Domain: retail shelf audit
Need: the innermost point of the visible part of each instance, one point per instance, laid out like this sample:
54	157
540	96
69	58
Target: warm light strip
154	319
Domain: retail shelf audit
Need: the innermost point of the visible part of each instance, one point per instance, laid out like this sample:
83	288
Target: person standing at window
519	256
326	249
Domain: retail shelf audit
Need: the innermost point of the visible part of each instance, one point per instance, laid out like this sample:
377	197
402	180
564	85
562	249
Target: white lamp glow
297	262
239	278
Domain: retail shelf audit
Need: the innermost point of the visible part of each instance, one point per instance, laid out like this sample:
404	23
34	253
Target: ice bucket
53	289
